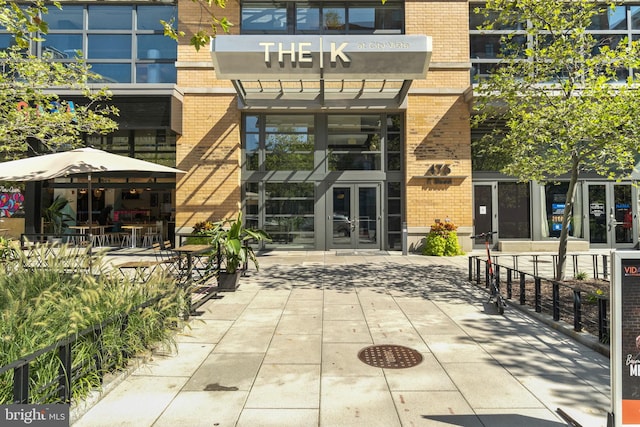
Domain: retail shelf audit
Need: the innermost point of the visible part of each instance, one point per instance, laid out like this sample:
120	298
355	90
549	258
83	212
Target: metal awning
321	93
313	71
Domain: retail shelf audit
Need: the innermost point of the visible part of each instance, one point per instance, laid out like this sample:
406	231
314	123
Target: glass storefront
299	169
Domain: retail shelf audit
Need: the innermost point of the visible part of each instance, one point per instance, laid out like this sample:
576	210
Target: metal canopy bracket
322	93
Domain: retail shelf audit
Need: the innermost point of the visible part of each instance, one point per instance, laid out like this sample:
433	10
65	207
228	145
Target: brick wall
209	148
209	151
438	117
438	133
437	128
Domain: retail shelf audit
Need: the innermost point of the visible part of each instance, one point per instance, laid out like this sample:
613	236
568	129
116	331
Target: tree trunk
568	211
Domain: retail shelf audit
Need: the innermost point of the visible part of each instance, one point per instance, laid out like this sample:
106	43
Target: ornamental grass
40	307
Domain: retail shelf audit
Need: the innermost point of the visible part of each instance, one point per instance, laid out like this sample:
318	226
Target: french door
353	220
611	215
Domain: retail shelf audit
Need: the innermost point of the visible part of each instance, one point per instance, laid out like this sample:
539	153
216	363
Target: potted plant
231	241
55	217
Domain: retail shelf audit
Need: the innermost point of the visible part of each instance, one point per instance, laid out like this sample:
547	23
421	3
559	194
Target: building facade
330	125
528	215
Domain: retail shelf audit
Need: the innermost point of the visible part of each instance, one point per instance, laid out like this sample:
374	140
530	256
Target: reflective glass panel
334	18
148	17
635	17
251	142
289	142
289	210
251	123
354	161
477	19
493	46
109	46
156	73
513	210
103	17
362	19
612	19
6	40
62	46
393	142
308	19
69	18
264	18
113	73
393	162
156	46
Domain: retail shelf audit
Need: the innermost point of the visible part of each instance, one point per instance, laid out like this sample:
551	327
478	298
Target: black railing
559	300
62	385
598	263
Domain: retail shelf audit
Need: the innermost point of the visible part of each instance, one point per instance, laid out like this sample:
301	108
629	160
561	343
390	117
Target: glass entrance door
354	217
611	216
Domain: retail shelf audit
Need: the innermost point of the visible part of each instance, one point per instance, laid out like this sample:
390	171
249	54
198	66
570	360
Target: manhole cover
390	356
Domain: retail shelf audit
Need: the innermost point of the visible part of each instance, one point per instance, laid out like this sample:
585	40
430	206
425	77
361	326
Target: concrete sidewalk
283	351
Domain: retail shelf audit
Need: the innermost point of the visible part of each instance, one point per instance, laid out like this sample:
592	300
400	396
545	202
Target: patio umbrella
81	161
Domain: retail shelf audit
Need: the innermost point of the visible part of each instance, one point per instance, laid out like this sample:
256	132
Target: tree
30	107
564	106
203	36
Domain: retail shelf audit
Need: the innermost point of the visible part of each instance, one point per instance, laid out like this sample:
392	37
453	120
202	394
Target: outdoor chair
169	260
151	236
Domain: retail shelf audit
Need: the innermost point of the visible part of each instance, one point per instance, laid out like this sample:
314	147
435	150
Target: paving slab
357	401
286	387
203	409
295	348
278	417
226	372
283	349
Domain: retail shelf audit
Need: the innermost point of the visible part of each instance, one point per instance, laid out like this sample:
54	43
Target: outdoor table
189	251
142	269
134	233
83	229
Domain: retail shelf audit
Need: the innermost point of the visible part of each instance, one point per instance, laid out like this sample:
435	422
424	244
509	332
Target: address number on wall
438	169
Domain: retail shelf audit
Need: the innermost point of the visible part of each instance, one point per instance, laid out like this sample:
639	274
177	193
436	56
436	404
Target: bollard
405	238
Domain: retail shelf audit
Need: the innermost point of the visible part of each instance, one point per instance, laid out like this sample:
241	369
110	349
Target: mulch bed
590	289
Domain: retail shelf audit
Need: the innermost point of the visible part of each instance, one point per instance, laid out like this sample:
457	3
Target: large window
288	158
287	212
123	43
348	142
354	142
322	17
486	46
153	145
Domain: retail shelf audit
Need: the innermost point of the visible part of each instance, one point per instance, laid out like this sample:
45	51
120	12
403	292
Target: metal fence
584	309
59	389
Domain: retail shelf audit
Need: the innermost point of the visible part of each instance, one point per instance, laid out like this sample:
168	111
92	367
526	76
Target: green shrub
442	240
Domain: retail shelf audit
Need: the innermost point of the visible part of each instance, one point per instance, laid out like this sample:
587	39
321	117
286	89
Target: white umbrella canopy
74	162
81	161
